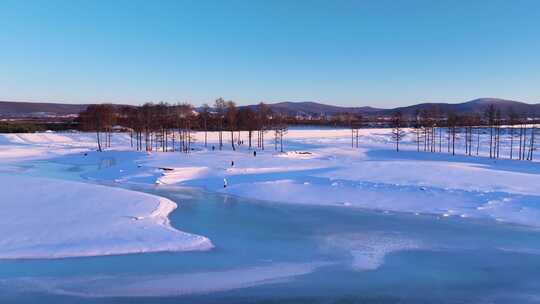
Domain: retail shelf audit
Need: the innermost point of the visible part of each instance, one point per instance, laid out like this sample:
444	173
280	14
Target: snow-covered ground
44	217
319	167
48	218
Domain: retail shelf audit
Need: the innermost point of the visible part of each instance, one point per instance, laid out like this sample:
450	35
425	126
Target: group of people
225	183
254	151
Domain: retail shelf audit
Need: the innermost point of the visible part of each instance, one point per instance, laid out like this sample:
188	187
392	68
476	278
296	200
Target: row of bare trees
170	127
432	131
355	123
101	119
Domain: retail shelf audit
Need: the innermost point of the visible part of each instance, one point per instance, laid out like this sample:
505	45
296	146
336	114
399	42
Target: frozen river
284	253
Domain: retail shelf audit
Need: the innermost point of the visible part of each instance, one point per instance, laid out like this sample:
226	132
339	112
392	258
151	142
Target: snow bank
47	218
30	146
442	174
177	175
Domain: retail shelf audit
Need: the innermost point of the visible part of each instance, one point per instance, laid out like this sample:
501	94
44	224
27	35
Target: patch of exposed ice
166	285
368	250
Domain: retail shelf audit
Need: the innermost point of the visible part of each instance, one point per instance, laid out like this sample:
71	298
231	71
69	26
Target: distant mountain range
314	108
473	106
38	109
307	108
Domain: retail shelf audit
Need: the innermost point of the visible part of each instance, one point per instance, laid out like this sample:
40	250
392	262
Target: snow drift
49	218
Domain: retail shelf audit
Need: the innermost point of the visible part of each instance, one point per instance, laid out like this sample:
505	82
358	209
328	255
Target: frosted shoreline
63	219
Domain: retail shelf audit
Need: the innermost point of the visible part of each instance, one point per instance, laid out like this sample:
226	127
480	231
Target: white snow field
321	168
54	218
46	217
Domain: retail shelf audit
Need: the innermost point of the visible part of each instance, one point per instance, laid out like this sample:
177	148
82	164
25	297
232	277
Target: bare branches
99	118
279	125
397	128
231	120
520	130
355	123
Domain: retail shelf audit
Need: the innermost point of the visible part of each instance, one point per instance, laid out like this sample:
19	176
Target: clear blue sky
379	53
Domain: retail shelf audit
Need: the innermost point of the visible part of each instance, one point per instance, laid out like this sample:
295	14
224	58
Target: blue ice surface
405	258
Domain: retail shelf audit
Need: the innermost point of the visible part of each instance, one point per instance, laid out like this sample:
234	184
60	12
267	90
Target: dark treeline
20	127
33	126
442	132
169	127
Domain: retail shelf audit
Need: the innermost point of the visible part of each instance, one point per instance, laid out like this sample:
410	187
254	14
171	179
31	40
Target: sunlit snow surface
45	218
359	225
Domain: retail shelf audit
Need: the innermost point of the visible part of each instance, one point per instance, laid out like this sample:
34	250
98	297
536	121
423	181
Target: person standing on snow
225	183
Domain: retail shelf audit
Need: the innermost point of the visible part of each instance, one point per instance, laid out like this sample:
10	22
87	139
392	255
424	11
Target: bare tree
523	137
452	123
247	120
498	122
279	125
532	142
489	114
477	121
231	120
513	119
205	117
355	123
99	118
397	128
435	115
219	107
127	118
417	129
466	123
262	121
184	116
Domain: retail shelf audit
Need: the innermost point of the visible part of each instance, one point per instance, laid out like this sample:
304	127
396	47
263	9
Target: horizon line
497	99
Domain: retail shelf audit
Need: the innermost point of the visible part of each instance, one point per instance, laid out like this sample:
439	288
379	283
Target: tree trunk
490	141
98	141
520	139
511	141
453	141
232	140
477	141
281	141
531	147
